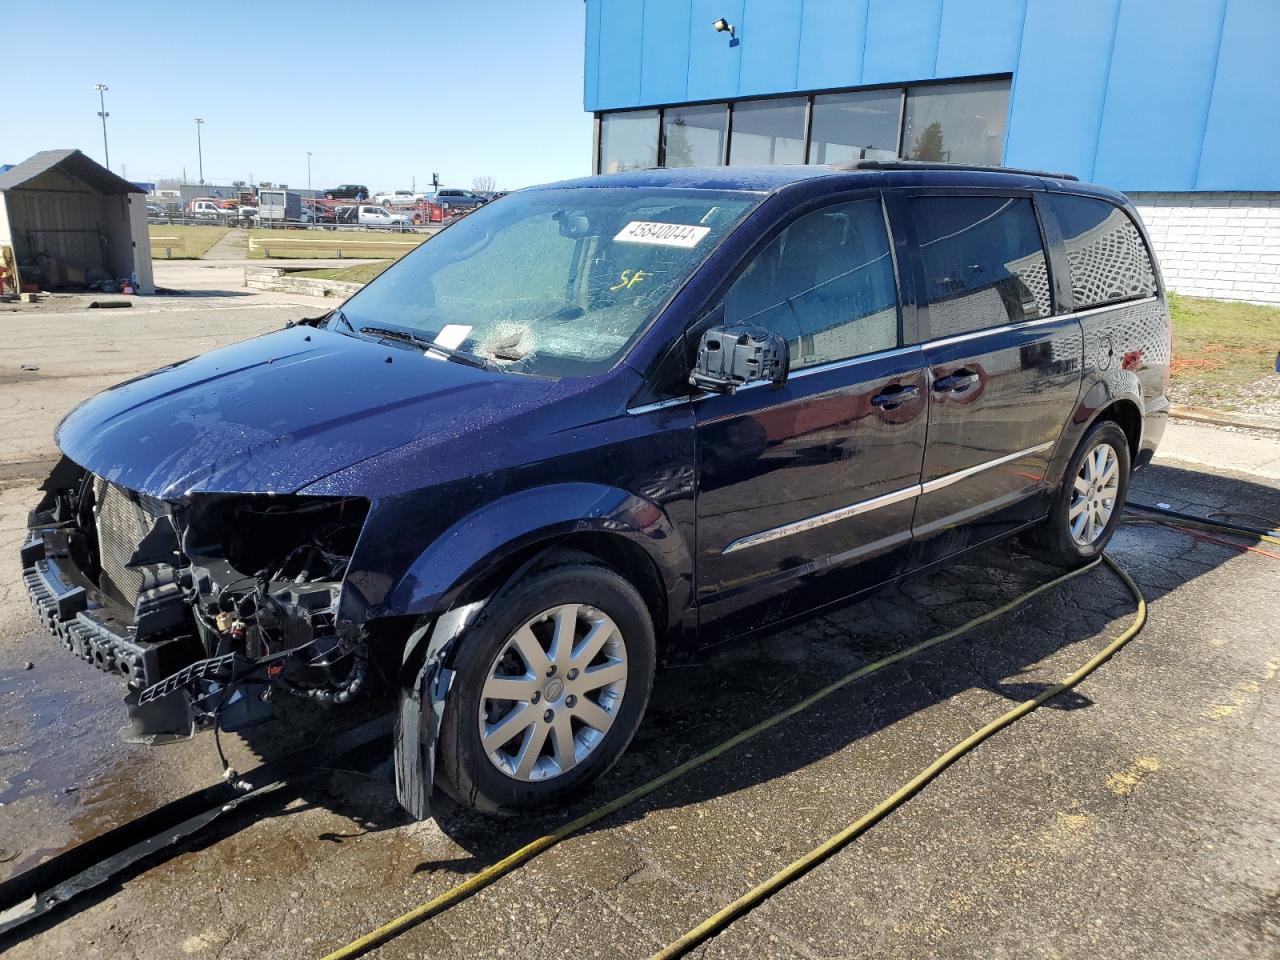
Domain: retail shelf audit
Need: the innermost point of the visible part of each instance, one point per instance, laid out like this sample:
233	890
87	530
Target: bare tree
484	184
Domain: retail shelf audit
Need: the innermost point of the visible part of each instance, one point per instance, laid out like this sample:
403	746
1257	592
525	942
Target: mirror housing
734	355
573	225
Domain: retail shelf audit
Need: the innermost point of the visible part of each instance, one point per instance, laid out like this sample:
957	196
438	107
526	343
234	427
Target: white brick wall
1222	245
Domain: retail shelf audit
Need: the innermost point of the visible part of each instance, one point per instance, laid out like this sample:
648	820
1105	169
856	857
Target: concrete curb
278	279
1221	418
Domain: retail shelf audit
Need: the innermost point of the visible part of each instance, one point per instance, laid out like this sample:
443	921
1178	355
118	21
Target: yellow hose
526	853
753	897
1209	525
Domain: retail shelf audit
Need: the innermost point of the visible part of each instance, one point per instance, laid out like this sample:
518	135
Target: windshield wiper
343	318
411	336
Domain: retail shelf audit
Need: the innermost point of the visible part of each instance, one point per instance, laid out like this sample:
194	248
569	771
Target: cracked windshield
552	282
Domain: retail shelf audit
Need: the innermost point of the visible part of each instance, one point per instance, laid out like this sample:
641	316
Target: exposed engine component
219	597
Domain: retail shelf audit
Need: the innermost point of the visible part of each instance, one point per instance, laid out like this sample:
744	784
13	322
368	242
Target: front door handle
894	397
958	382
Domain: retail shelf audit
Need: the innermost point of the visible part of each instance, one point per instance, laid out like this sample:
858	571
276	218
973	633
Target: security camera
723	26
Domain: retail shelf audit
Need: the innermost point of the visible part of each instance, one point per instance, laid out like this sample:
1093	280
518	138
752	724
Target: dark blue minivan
598	426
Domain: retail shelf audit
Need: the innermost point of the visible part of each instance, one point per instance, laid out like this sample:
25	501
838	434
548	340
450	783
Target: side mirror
738	354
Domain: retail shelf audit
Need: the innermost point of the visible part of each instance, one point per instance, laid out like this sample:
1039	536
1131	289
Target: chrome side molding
875	503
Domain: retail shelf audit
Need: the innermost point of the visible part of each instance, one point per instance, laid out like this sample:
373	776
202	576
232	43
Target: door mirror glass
732	356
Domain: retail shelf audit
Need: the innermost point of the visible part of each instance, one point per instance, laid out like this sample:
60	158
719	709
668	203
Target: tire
1055	540
466	769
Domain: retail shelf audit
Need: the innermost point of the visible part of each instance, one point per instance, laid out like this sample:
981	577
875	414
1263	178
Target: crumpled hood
276	413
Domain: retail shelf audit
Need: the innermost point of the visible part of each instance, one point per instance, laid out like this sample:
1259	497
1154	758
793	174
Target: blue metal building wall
1143	95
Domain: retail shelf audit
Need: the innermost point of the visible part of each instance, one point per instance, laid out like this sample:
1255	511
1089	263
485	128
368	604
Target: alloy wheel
1093	497
552	692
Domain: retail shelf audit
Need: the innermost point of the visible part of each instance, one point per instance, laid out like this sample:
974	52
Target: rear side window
984	264
1107	258
826	283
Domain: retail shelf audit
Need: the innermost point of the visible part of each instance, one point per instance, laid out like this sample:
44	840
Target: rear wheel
1087	507
549	688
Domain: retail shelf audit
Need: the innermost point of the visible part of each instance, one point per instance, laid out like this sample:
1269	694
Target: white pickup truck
208	209
370	215
398	198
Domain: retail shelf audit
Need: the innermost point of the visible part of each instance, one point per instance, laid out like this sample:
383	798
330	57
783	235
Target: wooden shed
63	210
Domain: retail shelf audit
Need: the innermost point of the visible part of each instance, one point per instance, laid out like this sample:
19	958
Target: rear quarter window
1106	256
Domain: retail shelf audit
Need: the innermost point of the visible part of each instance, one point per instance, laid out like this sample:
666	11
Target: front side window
767	131
826	283
628	141
957	122
984	264
552	282
1105	254
848	127
694	136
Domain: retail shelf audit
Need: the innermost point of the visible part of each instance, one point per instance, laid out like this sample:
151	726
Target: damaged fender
424	684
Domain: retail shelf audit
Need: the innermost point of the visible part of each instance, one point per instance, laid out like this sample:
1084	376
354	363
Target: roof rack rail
938	165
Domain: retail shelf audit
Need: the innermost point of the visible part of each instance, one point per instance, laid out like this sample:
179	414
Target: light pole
102	112
308	171
200	149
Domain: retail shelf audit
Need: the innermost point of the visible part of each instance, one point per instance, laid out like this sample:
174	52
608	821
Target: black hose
1175	515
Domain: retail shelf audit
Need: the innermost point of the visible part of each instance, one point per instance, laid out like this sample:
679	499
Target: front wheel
1086	509
549	688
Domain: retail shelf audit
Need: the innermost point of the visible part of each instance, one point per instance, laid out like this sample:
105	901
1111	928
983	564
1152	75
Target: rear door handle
958	382
894	396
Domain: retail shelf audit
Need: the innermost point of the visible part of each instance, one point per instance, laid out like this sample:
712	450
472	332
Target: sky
381	92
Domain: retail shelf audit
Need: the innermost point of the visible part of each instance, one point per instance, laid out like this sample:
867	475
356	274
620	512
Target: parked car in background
155	210
375	215
398	198
457	199
722	403
347	191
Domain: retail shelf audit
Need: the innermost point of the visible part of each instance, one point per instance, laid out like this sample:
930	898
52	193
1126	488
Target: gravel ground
1261	398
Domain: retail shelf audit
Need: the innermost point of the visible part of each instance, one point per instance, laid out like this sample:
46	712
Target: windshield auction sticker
662	234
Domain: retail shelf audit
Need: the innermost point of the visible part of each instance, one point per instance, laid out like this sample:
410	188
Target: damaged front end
204	605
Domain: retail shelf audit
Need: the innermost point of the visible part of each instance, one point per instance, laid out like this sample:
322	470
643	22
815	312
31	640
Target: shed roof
71	162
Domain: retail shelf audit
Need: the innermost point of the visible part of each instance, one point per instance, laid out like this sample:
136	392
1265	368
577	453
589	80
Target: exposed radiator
123	519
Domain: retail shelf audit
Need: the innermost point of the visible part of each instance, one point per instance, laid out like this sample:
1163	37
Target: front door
1004	372
806	492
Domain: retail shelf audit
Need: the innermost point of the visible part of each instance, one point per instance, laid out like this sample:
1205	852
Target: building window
825	283
956	122
848	127
1105	254
694	136
984	264
628	141
767	131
